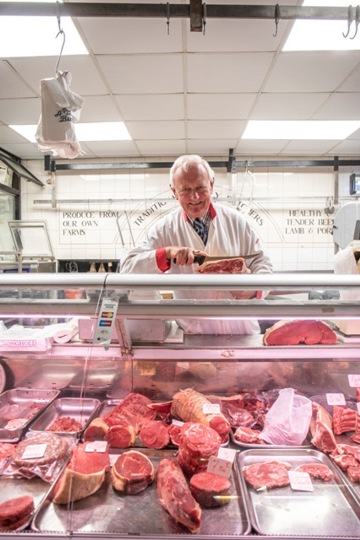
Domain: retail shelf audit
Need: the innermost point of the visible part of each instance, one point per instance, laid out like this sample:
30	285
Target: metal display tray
82	410
329	510
17	487
306	444
17	404
108	511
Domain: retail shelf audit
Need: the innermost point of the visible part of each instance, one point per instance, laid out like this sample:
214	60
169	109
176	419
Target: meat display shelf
211	364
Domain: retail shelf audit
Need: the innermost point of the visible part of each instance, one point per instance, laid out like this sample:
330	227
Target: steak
247	435
174	431
344	419
269	474
121	435
83	476
309	332
132	472
188	405
14	513
197	444
155	434
321	429
96	430
209	489
354	473
316	470
175	495
133	410
223	266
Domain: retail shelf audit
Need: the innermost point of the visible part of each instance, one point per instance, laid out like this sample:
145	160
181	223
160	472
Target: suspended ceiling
190	92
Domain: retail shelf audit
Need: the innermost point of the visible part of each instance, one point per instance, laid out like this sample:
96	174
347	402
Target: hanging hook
350	20
204	18
168	17
277	19
61	31
357	21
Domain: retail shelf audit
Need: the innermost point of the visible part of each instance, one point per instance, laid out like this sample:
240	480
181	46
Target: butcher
198	226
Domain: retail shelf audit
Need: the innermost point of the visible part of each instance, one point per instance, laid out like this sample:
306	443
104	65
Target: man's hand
184	256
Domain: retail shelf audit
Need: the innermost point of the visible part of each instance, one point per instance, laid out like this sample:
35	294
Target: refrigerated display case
90	352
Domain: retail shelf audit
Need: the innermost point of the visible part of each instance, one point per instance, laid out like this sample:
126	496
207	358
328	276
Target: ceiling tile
217	129
352	82
260	147
219	106
20	111
286	106
8	135
112	148
311	148
340	107
208	147
168	147
346	148
320	71
156	130
11	84
143	74
238	72
23	150
152	107
99	109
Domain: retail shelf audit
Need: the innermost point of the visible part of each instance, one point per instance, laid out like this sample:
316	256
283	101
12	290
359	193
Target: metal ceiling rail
192	9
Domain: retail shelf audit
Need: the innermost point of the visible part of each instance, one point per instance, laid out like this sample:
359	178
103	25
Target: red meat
197	444
155	434
344	419
175	433
121	435
132	472
321	429
309	332
316	470
270	474
248	436
175	495
209	489
15	512
223	266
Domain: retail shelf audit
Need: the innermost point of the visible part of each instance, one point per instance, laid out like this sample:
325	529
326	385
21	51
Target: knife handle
197	259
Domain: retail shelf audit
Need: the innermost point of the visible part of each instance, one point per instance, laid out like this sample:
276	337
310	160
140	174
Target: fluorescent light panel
36	36
322	35
304	129
86	132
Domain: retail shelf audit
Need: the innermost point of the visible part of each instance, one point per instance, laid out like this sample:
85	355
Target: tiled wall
108	213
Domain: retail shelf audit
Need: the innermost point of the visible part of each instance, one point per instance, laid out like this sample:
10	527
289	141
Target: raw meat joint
83	476
132	472
209	489
224	266
188	406
308	332
175	495
197	444
16	512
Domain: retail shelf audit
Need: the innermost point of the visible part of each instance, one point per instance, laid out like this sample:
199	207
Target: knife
201	259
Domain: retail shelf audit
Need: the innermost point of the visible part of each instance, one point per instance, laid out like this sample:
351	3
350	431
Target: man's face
193	190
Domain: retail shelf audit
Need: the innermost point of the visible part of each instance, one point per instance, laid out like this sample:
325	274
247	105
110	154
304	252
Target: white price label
219	466
177	422
335	399
34	451
113	458
227	453
96	446
300	481
354	380
211	408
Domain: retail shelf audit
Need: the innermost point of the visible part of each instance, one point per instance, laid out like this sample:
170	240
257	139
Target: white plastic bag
60	110
288	420
345	263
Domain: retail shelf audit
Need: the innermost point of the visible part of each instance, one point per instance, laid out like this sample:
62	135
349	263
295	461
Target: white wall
110	212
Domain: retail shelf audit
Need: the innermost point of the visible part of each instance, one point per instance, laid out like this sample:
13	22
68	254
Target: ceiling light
36	36
304	129
91	131
312	35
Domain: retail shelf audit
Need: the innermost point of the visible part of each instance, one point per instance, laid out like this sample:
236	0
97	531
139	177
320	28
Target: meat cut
316	470
209	489
83	476
323	437
197	444
223	266
189	406
247	435
344	419
175	495
155	434
16	512
121	435
268	474
132	472
308	332
65	423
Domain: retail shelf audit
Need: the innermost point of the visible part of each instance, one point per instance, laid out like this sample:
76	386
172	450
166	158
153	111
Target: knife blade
201	259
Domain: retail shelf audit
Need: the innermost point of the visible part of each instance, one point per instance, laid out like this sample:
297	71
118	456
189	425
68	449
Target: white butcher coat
229	234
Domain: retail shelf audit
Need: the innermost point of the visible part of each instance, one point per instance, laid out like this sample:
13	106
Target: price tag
113	458
300	481
96	446
335	399
219	466
34	451
177	422
211	408
354	380
227	453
